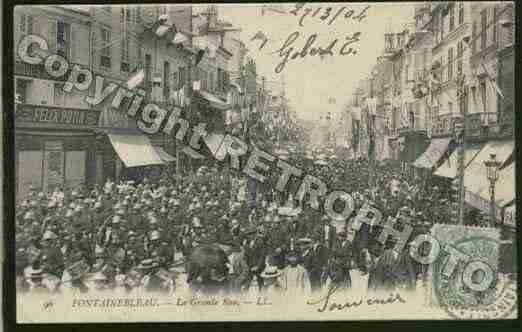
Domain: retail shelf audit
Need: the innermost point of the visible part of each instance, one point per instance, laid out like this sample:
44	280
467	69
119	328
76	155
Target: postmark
470	286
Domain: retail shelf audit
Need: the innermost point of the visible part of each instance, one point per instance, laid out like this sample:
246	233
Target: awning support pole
461	140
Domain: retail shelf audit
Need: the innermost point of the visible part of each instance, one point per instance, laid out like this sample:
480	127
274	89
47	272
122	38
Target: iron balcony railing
478	125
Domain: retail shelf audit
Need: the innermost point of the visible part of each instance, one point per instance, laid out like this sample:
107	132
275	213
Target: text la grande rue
195	301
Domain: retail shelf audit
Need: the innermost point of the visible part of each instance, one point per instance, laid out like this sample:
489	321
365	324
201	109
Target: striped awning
433	153
135	150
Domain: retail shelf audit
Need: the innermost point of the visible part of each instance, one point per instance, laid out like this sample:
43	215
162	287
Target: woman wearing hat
295	280
37	286
271	280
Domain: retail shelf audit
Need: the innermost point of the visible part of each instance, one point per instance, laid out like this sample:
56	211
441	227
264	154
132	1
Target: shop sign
45	114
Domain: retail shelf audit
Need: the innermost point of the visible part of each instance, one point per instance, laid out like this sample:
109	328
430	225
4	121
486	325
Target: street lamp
492	166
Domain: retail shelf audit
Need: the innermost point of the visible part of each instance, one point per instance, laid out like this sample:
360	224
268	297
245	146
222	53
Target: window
21	90
450	63
166	83
148	72
26	24
182	77
442	17
483	95
494	25
474	38
451	17
125	53
63	31
483	29
461	13
125	14
105	54
450	108
58	95
460	53
163	10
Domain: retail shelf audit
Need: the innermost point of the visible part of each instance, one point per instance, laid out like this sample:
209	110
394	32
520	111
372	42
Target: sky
311	81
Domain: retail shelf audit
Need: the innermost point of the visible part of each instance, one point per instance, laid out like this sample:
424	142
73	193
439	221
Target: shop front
54	147
123	152
477	185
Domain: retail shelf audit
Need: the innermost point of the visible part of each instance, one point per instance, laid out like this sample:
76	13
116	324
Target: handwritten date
325	14
288	51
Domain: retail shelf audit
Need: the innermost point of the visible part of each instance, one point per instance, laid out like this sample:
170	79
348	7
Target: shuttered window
450	63
105	53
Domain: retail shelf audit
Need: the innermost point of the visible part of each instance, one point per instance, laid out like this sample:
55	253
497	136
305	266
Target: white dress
295	281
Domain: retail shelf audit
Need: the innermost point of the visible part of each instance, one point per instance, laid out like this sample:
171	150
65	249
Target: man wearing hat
255	253
341	262
150	282
74	276
238	268
50	249
315	260
382	274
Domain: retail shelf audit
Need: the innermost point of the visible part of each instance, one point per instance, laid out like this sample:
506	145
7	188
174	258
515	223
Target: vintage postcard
264	162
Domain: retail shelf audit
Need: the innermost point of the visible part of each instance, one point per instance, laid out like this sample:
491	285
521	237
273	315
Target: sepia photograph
264	162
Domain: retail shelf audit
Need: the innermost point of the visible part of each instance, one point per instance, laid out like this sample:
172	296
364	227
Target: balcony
35	71
479	126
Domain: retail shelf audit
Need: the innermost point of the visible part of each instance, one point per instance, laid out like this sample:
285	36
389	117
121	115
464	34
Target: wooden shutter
29	23
72	45
52	35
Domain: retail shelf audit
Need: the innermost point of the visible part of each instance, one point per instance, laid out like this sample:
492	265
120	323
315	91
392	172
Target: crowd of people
172	234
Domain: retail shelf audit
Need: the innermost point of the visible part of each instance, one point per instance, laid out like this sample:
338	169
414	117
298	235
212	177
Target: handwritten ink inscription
325	14
327	305
336	47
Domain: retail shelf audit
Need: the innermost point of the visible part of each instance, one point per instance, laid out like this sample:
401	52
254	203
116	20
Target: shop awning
214	101
135	150
433	153
448	169
475	175
164	155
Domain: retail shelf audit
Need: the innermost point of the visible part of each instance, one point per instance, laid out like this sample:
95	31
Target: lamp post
492	166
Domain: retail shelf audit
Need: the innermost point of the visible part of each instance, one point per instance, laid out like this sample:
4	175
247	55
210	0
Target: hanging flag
136	79
492	81
179	38
162	30
404	116
199	57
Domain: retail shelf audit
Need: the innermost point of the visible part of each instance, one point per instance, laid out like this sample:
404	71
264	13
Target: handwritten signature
326	13
331	306
288	52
